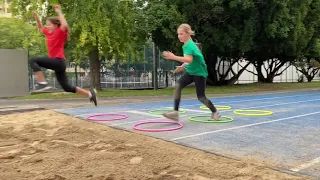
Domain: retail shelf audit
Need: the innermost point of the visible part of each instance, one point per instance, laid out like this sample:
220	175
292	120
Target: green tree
308	67
308	62
101	28
219	28
17	34
285	29
260	32
98	28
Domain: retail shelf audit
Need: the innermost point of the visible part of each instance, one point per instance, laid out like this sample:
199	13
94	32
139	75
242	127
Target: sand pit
45	145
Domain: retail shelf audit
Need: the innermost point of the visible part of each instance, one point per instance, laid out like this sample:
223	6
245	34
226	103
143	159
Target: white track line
246	100
279	97
253	107
133	122
271	105
160	117
144	113
244	126
193	110
261	94
306	165
131	111
80	115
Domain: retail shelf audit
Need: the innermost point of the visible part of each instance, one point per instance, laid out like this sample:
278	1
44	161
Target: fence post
167	83
155	67
292	75
287	74
32	82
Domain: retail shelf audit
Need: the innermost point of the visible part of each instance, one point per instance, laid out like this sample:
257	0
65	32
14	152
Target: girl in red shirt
56	32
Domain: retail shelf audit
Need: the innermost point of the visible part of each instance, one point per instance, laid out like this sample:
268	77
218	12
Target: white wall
289	75
14	73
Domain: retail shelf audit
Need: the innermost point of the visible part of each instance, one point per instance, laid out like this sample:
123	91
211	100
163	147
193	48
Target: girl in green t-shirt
196	71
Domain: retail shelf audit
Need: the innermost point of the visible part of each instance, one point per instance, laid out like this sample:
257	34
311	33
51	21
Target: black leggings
200	83
59	67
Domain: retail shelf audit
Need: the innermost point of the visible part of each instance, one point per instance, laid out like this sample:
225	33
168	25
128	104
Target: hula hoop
227	119
249	112
161	111
217	106
122	116
135	127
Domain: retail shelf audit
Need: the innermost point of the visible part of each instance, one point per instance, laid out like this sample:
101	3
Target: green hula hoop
161	111
217	106
223	119
253	112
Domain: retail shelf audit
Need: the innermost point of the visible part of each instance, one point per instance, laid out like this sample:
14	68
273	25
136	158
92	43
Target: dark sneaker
41	87
94	97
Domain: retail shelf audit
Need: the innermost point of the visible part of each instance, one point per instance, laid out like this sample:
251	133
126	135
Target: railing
165	79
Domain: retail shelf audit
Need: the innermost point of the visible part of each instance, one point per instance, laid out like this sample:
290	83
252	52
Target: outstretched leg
59	66
200	83
184	80
63	81
36	64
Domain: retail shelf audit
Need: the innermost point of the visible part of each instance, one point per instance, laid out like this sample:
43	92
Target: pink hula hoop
135	127
122	116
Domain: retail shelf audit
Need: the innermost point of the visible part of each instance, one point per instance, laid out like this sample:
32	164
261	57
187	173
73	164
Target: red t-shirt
56	42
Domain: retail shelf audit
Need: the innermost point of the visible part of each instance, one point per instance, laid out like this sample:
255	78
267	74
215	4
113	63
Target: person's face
50	26
182	35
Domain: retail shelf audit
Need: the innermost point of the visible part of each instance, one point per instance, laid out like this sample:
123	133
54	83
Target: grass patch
239	88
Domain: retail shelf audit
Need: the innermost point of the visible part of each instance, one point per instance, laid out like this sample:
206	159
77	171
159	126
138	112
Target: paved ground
82	102
280	137
287	138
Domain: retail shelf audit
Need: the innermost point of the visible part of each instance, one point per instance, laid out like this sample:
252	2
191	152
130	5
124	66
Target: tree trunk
309	78
270	78
261	77
235	78
211	61
270	75
274	72
95	68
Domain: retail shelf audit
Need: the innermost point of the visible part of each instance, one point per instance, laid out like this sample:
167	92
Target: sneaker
215	116
93	97
173	115
41	87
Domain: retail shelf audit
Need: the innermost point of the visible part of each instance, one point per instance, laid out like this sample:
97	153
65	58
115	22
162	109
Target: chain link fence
165	79
138	73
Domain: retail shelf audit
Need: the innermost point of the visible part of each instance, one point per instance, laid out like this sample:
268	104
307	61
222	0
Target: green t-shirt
198	66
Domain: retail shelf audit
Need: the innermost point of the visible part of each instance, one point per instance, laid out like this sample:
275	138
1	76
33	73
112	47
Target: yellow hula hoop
217	106
253	112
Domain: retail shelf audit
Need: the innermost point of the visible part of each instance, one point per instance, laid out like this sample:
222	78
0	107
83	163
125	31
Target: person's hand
179	68
168	55
57	8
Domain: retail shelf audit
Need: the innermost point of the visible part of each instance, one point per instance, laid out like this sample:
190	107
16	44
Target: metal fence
145	80
138	74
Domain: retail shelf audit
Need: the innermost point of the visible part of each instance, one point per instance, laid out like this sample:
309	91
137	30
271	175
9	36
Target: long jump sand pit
47	145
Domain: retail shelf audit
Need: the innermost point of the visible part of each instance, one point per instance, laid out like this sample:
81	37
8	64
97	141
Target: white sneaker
173	115
215	116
